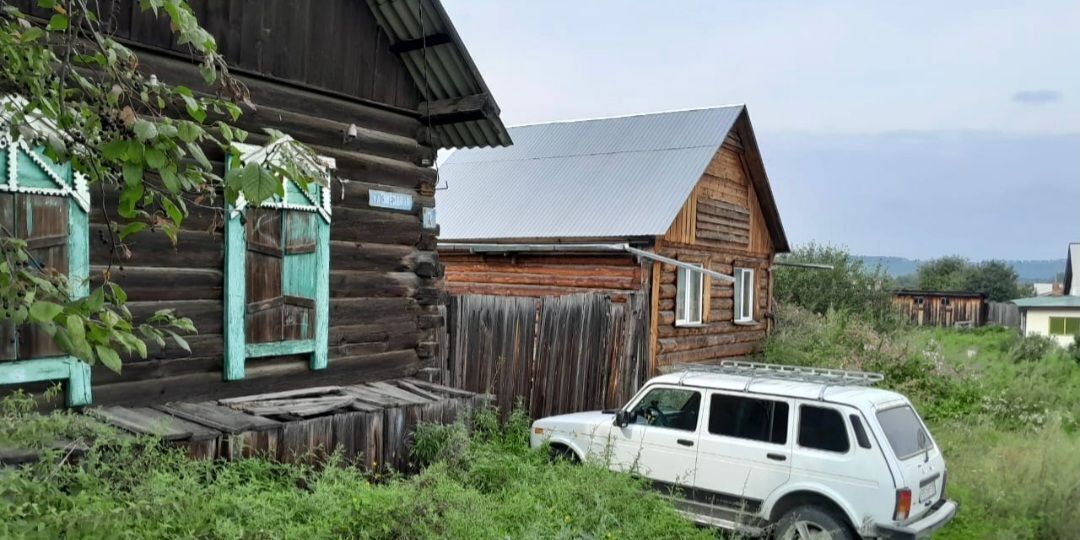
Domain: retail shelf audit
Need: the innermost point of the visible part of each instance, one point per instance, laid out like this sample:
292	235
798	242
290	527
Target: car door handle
685	442
776	457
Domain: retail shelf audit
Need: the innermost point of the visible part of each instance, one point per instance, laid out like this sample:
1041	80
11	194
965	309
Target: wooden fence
558	354
1003	314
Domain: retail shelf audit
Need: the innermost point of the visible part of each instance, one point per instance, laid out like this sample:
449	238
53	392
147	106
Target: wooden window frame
72	185
740	274
686	297
237	350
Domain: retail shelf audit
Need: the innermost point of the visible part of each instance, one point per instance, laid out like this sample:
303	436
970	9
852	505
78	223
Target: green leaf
43	311
258	185
174	213
179	341
118	293
133	174
96	300
58	23
188	131
32	34
145	130
155	158
168	176
115	149
108	357
197	153
47	4
129	197
75	327
131	228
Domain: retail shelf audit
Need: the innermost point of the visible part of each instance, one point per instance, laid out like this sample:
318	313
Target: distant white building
1055	316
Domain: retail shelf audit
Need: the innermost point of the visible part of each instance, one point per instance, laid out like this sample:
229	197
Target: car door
659	441
744	450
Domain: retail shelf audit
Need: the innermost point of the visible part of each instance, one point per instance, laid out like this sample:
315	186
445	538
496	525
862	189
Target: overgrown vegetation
487	484
1004	409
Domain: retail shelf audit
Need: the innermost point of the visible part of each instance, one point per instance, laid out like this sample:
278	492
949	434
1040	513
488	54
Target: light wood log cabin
553	216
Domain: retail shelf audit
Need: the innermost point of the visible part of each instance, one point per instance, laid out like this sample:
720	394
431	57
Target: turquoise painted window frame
71	184
237	350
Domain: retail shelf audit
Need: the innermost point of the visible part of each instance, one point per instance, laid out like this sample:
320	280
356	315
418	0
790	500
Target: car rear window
902	428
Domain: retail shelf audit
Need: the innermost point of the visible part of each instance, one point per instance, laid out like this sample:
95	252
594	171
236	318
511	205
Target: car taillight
903	504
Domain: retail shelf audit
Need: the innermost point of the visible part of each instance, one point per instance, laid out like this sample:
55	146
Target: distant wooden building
332	286
619	247
936	308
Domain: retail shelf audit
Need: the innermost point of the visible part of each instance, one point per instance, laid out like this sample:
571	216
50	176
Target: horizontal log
535	269
355	194
717	236
260	377
573	263
535	291
707	354
205	314
350	284
457	109
687	343
722	323
209	216
740	225
354	225
348	311
159	368
369	256
385	330
581	281
194	249
274	94
147	283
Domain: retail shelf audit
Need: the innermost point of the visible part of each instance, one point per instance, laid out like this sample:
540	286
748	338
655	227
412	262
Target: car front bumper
939	516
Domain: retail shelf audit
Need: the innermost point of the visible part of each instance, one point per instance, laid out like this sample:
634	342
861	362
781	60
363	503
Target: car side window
822	429
675	408
748	418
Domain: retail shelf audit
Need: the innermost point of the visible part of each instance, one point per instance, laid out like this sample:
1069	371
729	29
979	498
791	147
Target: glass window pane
748	418
674	408
1057	325
694	296
680	295
823	429
904	431
1072	325
748	295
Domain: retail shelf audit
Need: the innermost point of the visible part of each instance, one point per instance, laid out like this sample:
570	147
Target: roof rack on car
757	370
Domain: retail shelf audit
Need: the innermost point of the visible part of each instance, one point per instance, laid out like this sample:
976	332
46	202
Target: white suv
759	448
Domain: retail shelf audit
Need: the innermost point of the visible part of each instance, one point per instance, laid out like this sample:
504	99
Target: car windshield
904	431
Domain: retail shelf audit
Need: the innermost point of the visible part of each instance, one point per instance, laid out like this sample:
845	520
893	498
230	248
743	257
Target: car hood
575	421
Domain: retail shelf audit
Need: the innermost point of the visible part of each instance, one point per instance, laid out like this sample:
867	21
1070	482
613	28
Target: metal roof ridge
590	154
629	115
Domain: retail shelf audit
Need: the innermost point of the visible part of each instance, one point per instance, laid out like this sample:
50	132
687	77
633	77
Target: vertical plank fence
1004	314
558	354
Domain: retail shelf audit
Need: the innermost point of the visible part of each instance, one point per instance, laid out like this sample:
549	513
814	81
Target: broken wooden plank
303	392
400	393
367	395
435	387
147	421
215	416
301	407
418	391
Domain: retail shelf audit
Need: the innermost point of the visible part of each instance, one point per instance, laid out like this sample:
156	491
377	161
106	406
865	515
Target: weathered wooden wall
1005	314
721	226
941	309
384	291
542	274
558	354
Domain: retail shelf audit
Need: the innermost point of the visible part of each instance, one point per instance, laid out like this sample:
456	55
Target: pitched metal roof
1066	301
1072	270
604	178
449	73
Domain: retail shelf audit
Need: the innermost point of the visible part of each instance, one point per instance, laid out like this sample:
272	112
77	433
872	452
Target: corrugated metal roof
609	177
1066	301
450	70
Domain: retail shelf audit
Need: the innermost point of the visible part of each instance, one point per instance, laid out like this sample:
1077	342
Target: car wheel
811	523
562	453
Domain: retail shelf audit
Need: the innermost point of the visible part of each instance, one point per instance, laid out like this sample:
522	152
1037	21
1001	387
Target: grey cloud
1036	97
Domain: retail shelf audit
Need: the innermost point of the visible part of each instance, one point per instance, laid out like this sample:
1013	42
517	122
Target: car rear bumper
940	515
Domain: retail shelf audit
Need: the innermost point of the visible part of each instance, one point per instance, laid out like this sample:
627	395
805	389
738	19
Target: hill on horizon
1028	271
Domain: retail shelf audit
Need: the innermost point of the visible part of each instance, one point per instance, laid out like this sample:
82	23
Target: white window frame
744	309
687	298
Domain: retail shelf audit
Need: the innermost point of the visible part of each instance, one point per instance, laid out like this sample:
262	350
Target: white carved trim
80	191
251	152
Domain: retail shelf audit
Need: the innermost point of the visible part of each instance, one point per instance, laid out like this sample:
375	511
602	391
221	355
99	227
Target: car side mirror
622	418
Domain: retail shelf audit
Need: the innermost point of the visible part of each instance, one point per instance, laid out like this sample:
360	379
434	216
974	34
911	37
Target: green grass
487	485
1004	409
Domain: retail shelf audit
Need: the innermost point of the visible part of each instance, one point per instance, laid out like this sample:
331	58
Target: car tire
562	453
811	523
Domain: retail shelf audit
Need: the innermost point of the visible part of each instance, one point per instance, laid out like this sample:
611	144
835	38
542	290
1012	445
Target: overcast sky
912	129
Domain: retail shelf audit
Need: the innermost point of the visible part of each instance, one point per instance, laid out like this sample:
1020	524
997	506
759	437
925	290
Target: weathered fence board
1004	314
558	354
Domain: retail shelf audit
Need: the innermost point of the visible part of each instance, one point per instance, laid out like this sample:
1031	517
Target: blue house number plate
387	199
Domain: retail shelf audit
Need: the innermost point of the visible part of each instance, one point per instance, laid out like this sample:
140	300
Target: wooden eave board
215	416
147	421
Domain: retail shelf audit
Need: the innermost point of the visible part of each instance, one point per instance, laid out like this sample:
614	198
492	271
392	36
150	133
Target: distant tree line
852	286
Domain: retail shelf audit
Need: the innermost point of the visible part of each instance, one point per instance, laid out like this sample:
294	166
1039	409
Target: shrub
848	287
1031	348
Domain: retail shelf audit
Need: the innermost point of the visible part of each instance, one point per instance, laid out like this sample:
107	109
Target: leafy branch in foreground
68	87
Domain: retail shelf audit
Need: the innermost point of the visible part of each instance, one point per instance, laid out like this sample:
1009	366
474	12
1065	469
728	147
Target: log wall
384	288
536	275
721	226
